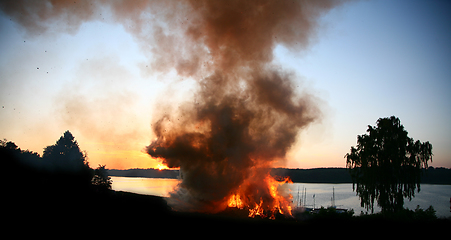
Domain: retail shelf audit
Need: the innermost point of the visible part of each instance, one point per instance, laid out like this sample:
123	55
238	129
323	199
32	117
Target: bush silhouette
101	179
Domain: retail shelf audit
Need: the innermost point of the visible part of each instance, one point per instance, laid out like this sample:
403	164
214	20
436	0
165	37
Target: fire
257	210
235	201
267	205
161	167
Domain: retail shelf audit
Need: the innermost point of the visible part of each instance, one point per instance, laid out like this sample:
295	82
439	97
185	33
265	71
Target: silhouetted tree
70	167
20	170
386	165
101	178
12	153
9	155
5	144
66	155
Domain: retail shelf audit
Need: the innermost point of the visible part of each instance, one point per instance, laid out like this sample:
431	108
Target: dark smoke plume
246	114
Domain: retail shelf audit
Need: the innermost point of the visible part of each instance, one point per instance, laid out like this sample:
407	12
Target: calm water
436	195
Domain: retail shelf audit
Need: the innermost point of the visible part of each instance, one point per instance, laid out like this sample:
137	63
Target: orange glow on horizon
120	156
162	167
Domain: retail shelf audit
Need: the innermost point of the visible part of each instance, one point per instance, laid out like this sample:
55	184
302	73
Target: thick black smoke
247	114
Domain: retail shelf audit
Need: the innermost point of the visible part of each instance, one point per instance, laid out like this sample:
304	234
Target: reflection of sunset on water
149	186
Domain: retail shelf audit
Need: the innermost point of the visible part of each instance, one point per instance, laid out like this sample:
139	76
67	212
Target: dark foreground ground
39	201
118	211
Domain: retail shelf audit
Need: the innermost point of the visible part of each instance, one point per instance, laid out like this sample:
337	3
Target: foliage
11	150
386	165
62	168
403	215
428	214
66	155
5	144
331	212
101	178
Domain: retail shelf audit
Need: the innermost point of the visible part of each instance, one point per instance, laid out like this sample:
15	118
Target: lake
436	195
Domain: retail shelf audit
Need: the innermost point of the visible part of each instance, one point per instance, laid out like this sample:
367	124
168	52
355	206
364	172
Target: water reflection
436	195
149	186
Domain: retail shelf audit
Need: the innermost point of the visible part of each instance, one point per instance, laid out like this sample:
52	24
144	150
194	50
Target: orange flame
161	167
235	201
267	206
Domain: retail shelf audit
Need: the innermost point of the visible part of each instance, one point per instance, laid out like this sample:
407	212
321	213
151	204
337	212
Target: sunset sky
368	59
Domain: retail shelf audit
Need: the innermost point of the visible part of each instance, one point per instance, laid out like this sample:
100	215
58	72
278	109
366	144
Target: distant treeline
314	175
341	175
146	173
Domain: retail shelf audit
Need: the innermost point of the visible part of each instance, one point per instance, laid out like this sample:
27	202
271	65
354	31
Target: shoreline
438	176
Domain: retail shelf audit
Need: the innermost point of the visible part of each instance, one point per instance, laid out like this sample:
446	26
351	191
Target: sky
368	59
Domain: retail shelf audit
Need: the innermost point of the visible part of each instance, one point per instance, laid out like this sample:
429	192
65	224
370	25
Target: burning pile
225	143
264	207
247	113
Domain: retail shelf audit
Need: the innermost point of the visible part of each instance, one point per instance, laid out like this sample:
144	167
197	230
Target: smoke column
246	113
